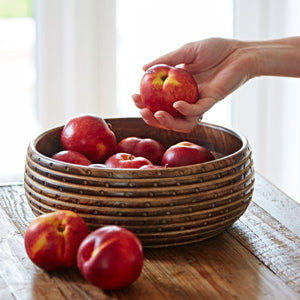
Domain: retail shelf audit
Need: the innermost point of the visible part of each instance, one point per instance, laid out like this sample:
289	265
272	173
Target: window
266	109
17	88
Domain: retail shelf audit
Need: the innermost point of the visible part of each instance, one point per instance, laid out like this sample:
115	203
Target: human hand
162	119
219	66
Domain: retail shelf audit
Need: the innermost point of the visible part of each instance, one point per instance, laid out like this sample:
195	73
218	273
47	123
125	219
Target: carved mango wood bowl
164	207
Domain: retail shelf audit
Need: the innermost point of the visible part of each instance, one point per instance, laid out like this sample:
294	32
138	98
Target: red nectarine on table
52	240
110	257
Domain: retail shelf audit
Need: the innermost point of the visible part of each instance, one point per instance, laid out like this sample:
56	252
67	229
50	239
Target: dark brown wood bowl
164	207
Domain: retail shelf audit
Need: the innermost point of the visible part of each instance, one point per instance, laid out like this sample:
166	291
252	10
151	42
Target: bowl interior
221	141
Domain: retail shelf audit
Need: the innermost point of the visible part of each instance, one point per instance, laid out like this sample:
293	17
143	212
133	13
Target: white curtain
76	45
267	109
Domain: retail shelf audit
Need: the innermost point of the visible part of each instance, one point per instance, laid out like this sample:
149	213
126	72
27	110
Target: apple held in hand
110	257
186	153
162	85
126	161
72	157
52	240
89	135
145	147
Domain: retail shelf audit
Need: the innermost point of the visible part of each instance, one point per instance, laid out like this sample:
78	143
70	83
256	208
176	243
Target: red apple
72	157
52	240
89	135
162	85
110	257
186	153
126	161
145	147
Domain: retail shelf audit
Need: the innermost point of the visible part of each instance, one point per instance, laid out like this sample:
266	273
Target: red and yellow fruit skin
145	147
126	161
52	240
162	85
72	157
110	257
90	135
186	153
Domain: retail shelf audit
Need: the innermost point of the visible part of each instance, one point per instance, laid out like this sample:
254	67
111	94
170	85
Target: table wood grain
258	257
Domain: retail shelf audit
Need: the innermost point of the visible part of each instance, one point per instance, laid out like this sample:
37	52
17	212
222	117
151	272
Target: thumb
173	58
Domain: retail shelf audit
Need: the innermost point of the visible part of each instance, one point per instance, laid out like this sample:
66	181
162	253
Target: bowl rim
195	168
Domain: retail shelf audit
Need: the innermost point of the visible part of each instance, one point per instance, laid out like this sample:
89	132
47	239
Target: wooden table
256	258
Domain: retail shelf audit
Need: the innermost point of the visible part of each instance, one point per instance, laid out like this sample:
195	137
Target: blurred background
59	58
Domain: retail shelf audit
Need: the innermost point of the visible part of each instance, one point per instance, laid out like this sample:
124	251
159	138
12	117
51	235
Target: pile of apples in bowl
164	205
88	140
168	188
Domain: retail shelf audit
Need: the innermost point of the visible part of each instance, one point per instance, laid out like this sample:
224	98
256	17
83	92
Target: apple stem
60	228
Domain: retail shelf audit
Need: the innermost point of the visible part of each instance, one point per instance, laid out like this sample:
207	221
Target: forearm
277	57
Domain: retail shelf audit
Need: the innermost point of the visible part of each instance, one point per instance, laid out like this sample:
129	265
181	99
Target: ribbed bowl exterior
164	207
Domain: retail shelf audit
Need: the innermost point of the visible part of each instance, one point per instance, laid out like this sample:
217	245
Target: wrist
275	58
249	58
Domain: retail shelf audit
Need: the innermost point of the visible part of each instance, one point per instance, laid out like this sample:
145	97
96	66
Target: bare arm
278	57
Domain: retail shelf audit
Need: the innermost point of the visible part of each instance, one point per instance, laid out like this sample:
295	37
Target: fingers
181	124
197	109
149	118
192	113
138	101
162	119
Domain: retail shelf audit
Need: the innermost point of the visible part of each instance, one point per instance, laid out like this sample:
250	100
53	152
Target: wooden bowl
164	207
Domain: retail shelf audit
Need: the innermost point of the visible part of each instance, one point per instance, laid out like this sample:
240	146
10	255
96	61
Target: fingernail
159	117
176	104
